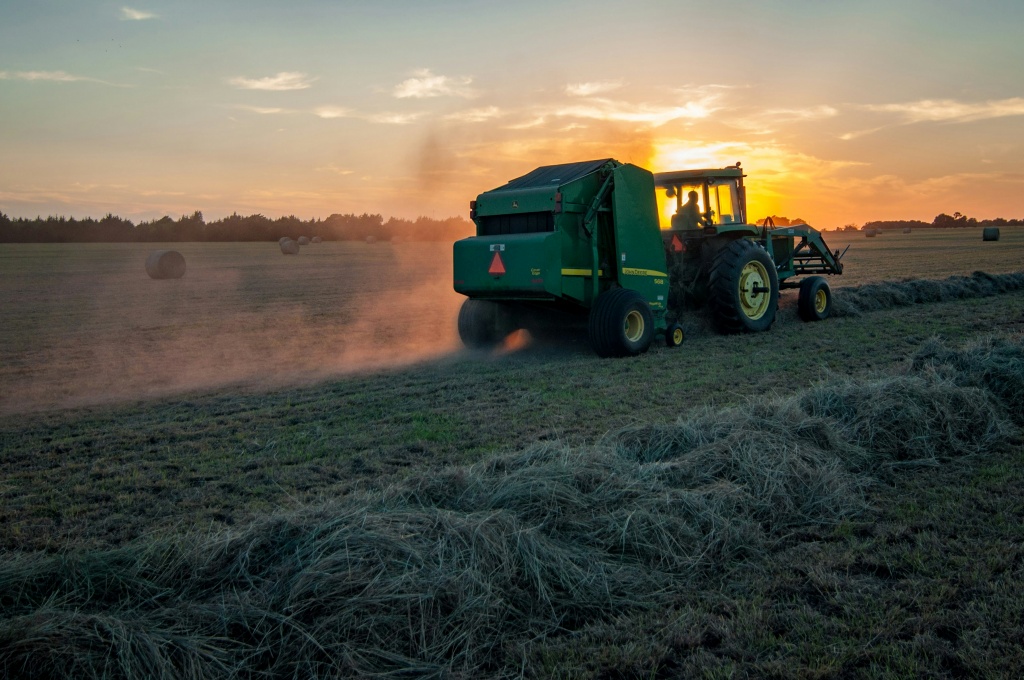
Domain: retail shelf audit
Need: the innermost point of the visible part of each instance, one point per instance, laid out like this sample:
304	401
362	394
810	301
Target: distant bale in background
315	239
290	247
371	239
303	241
870	233
906	230
990	234
165	264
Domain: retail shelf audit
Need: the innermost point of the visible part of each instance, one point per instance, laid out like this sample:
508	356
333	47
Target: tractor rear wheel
744	288
621	324
815	302
479	324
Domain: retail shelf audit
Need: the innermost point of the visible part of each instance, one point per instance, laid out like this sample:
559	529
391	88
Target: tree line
942	221
337	227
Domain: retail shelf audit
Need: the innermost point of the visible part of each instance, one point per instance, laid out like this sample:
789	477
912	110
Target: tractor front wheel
815	302
479	326
744	288
621	324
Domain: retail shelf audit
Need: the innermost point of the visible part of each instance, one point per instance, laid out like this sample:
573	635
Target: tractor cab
701	199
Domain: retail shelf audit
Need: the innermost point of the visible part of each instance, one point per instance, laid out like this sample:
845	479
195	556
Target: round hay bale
315	239
303	240
165	264
990	234
283	239
906	230
290	247
371	239
870	233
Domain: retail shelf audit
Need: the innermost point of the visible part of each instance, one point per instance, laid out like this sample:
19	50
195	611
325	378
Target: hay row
450	573
873	297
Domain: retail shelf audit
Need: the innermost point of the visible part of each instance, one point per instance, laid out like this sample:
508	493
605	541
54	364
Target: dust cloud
85	325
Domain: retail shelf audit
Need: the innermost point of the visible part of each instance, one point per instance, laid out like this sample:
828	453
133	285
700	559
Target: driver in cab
688	216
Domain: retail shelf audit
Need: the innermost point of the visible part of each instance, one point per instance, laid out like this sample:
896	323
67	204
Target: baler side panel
639	254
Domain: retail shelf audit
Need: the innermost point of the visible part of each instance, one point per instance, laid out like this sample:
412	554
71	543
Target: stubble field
265	395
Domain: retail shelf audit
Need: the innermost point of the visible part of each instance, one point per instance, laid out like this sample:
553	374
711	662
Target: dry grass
872	297
451	572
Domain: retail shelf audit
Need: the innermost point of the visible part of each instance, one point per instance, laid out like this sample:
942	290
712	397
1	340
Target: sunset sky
840	111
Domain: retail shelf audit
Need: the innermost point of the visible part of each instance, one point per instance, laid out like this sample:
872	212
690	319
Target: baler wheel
815	302
479	324
743	288
621	324
674	335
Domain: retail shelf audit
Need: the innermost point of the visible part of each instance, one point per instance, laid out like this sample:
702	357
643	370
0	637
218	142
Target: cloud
475	115
847	136
393	118
949	110
624	112
264	110
129	14
52	77
332	112
281	82
425	84
590	89
333	168
765	121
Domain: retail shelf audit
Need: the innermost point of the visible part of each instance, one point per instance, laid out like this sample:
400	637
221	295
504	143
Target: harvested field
81	327
473	570
837	499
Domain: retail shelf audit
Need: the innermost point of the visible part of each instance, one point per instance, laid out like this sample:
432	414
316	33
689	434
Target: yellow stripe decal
629	271
581	272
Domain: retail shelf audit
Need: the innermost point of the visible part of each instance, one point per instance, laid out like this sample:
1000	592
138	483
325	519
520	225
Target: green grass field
152	430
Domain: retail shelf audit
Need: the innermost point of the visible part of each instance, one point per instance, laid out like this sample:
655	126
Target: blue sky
840	111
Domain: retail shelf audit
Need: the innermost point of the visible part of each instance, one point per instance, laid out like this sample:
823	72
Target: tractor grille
518	223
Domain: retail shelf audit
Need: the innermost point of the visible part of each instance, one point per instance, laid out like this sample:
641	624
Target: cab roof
662	179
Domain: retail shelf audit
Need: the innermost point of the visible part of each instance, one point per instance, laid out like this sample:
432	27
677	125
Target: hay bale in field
165	264
906	230
316	239
283	239
371	239
870	233
303	240
290	247
990	234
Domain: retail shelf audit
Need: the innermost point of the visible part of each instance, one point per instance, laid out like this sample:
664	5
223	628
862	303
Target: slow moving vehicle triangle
497	266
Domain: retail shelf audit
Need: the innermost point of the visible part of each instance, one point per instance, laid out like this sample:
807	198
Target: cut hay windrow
873	297
453	573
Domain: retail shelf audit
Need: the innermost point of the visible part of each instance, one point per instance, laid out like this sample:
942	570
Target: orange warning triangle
497	266
677	245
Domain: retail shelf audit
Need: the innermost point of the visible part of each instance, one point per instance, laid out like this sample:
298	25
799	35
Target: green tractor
624	252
